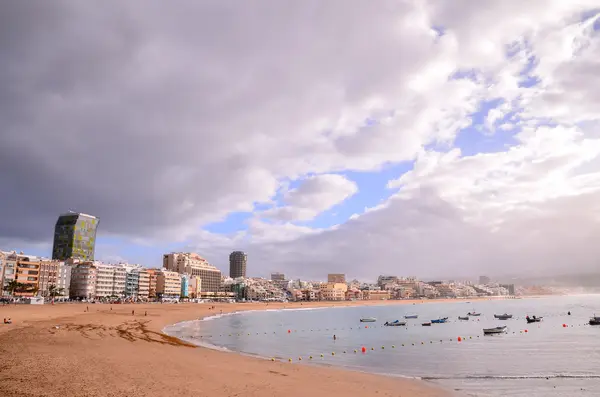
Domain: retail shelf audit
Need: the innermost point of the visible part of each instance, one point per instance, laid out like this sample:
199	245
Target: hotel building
143	283
110	280
152	275
28	274
83	281
333	291
194	265
237	264
168	284
75	237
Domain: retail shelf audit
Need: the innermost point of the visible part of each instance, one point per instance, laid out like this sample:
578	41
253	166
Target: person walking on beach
334	337
133	312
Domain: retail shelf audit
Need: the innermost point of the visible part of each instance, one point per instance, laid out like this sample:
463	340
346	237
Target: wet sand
64	350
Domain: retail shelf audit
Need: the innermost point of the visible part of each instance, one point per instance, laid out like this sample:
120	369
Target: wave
512	377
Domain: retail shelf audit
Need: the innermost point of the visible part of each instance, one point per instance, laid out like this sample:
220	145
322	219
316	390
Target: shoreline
67	348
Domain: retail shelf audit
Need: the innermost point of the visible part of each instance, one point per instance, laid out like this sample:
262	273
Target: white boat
493	331
368	320
411	316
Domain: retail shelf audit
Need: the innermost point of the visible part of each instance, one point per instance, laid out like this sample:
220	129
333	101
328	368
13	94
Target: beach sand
64	350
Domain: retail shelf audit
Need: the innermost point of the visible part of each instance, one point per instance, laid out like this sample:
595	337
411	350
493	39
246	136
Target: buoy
310	357
272	359
564	325
344	351
354	350
332	353
299	358
393	346
322	355
372	348
459	339
289	331
382	347
366	326
290	360
364	349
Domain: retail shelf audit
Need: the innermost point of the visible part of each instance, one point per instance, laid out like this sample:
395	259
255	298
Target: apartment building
376	295
152	274
110	280
83	281
9	270
143	284
132	281
336	278
28	274
333	291
193	264
195	287
168	284
48	276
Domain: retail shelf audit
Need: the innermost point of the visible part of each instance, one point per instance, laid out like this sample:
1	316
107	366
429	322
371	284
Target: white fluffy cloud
316	194
162	119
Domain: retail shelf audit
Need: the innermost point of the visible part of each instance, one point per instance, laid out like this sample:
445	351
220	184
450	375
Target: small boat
494	331
463	318
473	314
426	324
411	316
533	319
368	320
396	323
439	320
595	320
503	316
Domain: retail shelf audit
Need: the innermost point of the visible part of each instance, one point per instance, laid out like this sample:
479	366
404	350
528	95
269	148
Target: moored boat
439	320
463	318
503	316
495	330
396	323
474	314
533	319
595	320
426	324
411	316
368	320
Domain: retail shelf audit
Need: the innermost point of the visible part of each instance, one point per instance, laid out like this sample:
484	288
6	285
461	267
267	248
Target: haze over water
547	360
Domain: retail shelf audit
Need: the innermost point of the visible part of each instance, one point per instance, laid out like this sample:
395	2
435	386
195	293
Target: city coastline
121	345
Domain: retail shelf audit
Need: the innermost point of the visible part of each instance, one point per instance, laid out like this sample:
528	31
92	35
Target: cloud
161	120
316	194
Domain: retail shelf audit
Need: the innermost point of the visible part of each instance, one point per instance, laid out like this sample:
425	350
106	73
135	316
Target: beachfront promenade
64	350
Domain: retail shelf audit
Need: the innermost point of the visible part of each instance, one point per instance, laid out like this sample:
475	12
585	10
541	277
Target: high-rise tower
75	236
237	264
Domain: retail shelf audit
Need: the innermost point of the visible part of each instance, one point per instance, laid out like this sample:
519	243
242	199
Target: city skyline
450	140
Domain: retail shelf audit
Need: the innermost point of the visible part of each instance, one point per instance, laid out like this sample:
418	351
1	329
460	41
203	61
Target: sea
559	356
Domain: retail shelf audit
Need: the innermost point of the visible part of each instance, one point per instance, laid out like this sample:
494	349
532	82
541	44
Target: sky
412	137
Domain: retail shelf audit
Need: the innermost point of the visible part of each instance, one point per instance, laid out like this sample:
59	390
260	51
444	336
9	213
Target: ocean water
540	359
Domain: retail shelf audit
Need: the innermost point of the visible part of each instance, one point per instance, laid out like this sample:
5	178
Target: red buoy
459	339
363	349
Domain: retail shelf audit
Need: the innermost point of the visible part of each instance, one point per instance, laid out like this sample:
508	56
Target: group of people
7	321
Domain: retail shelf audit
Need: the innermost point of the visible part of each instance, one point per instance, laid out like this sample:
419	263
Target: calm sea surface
547	360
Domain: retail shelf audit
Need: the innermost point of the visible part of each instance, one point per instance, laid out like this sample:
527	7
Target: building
484	280
336	278
333	291
168	284
28	274
185	284
194	265
237	264
195	287
9	270
75	236
132	284
63	279
509	287
143	283
83	281
48	277
279	280
152	274
111	281
376	295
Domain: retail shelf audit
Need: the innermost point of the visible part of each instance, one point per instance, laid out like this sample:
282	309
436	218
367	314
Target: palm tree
12	287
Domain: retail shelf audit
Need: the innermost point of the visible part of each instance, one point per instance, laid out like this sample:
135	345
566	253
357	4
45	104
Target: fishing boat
463	318
595	320
439	320
503	316
474	314
494	331
533	319
368	320
426	324
411	316
396	323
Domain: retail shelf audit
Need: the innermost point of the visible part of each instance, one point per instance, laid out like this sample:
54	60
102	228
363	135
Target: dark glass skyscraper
237	264
75	236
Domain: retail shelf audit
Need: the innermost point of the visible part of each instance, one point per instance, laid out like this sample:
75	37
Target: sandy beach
64	350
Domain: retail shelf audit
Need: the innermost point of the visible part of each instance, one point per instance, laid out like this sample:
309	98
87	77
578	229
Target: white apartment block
110	280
